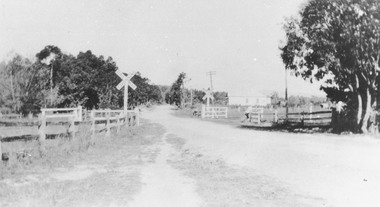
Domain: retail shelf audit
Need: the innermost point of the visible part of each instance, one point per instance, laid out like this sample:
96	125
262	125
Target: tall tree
145	92
176	90
88	80
23	84
338	42
50	56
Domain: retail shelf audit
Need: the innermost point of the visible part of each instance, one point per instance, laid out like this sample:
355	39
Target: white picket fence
214	112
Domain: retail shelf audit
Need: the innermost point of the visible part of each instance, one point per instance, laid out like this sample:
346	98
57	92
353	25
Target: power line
211	73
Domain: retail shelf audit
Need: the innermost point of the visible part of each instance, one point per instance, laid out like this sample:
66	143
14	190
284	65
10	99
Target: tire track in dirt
164	185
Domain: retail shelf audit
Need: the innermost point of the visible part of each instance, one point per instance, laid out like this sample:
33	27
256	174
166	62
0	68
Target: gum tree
338	42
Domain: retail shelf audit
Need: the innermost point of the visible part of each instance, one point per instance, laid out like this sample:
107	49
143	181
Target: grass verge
104	171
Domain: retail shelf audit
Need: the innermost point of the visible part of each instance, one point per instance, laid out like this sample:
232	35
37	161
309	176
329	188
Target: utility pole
211	73
286	95
51	85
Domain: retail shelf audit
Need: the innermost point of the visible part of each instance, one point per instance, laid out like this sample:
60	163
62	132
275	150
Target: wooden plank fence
77	113
107	119
319	118
214	112
10	116
71	117
255	116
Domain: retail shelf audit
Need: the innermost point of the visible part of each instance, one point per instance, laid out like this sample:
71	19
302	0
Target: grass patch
103	171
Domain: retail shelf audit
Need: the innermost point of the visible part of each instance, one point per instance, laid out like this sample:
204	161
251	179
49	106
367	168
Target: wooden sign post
208	96
125	82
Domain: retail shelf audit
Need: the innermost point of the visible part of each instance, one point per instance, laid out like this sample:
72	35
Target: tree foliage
176	90
86	79
338	42
22	84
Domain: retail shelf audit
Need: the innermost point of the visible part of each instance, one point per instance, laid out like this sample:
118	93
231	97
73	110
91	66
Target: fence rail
318	118
77	113
10	116
214	112
107	119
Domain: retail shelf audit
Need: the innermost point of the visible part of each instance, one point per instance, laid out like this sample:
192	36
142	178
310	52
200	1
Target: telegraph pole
51	85
286	94
211	73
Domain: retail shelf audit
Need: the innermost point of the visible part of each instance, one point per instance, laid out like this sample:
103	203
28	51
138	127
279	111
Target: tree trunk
360	104
360	110
13	94
368	110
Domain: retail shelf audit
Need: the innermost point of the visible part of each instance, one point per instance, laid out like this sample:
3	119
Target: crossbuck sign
208	96
125	82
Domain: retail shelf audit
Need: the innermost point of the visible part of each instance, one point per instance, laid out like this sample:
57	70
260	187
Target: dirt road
173	161
272	168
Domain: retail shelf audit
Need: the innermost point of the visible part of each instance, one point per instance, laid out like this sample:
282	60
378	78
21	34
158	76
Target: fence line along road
10	116
70	117
318	118
214	112
61	112
113	118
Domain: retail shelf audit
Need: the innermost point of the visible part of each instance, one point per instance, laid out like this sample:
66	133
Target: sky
238	39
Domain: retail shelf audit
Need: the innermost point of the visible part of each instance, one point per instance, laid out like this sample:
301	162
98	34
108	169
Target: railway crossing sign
125	82
208	96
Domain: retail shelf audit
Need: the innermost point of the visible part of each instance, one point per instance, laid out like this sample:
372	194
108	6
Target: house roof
246	94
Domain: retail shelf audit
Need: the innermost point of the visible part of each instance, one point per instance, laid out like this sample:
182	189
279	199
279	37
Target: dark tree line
56	79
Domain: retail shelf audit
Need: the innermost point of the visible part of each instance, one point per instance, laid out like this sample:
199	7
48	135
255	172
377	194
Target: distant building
251	99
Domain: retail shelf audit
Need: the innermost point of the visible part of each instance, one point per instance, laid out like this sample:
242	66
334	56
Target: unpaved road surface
165	186
231	166
171	161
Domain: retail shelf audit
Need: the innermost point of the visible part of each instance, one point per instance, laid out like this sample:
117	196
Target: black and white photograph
189	103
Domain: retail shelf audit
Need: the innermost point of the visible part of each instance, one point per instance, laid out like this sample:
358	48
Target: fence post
72	127
42	134
137	111
226	112
311	111
302	118
108	128
259	118
203	112
126	120
76	113
92	117
118	117
275	116
80	113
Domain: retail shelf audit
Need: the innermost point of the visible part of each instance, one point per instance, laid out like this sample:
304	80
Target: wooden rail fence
214	112
319	118
107	119
10	116
310	118
77	113
71	117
